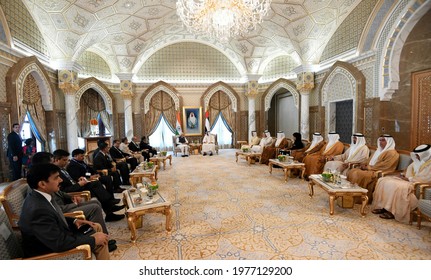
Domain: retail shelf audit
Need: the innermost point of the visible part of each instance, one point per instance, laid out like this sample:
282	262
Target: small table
136	209
335	190
161	159
139	173
195	146
249	156
287	166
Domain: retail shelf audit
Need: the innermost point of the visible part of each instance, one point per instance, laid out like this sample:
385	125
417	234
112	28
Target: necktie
59	212
65	173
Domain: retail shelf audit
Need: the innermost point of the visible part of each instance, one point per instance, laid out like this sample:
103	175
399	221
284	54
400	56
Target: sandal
387	215
378	211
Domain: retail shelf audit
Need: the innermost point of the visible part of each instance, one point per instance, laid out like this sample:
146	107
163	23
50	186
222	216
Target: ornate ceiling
125	33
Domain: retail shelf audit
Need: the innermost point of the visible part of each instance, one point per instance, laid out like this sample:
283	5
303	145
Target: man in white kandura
208	144
358	152
182	143
266	140
394	196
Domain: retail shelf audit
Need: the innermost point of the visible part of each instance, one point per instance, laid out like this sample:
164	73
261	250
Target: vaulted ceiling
125	33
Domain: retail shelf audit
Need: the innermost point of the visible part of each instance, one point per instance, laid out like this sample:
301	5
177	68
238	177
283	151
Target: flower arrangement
245	150
93	126
152	189
163	153
150	164
327	176
94	122
281	157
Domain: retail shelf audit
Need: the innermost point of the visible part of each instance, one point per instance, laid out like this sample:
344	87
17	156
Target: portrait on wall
192	123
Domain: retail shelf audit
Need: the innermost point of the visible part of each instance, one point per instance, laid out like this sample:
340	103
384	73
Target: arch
353	82
32	66
220	86
97	85
161	86
276	86
228	52
389	63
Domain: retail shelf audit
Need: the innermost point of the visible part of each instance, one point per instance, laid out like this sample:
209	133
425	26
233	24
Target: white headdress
390	145
424	153
317	138
333	138
360	142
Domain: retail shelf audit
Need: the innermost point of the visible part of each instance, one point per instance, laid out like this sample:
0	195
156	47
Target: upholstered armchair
10	246
13	197
423	191
176	149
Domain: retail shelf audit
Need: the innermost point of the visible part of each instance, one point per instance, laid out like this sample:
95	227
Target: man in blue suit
43	226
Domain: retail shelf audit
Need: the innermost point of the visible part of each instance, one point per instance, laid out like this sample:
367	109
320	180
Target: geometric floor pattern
223	210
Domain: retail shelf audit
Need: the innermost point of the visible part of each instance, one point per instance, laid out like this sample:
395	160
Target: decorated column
252	93
304	84
68	83
127	94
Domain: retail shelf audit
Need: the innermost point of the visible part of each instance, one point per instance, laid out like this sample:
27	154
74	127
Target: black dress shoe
112	242
116	208
116	201
118	190
378	211
111	217
112	247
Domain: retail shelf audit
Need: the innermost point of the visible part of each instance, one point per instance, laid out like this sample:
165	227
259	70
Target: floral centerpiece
281	157
94	125
245	150
327	176
152	189
163	153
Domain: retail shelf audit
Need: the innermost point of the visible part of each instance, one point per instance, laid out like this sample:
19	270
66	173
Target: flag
207	122
178	129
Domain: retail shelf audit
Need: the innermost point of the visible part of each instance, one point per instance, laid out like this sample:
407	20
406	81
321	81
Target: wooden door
421	108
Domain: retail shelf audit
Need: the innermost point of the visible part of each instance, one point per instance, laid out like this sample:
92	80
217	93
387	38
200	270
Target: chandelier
222	19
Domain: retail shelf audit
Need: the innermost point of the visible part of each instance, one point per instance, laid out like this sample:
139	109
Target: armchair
10	246
13	197
423	191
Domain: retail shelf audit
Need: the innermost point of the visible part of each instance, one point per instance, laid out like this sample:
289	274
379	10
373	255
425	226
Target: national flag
207	122
178	129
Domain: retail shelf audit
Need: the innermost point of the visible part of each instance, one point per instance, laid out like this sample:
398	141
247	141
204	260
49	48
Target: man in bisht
385	158
314	162
358	152
394	196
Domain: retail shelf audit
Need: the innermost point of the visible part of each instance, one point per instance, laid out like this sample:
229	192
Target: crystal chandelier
222	19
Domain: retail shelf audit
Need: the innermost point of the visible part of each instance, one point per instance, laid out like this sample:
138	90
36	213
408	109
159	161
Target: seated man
43	226
107	200
182	143
358	152
134	147
104	161
314	162
265	141
92	209
255	140
124	147
316	145
120	156
144	145
208	144
394	196
270	152
385	158
78	168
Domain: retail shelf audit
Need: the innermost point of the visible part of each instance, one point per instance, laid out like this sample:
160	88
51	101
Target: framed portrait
192	121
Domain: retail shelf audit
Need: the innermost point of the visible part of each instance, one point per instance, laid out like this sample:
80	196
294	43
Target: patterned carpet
223	210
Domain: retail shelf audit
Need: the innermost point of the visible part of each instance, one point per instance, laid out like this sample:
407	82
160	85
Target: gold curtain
221	103
32	103
161	103
90	105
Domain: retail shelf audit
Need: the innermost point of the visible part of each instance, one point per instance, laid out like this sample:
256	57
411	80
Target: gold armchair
10	246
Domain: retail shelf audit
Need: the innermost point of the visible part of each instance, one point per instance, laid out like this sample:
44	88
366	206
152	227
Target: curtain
161	139
223	131
220	104
107	120
91	105
32	107
161	103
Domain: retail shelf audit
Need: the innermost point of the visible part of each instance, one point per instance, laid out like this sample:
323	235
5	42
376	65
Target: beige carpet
223	210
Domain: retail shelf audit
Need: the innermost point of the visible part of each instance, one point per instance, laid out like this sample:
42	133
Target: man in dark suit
107	200
43	226
92	209
14	151
78	168
120	156
103	160
134	146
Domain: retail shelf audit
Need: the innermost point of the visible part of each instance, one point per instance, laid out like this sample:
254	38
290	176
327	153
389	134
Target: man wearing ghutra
192	121
358	152
394	196
385	158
